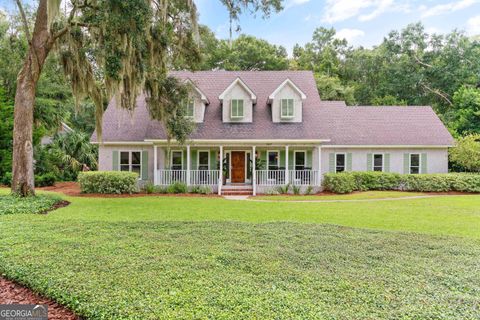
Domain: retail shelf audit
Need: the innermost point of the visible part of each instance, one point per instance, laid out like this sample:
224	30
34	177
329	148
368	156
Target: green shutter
213	159
115	160
309	161
282	159
369	162
144	165
406	163
349	162
184	162
386	162
424	163
291	159
193	159
331	162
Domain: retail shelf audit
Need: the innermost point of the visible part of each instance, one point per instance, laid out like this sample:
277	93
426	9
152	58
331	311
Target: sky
361	22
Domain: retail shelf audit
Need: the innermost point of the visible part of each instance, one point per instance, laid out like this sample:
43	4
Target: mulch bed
73	189
58	205
13	293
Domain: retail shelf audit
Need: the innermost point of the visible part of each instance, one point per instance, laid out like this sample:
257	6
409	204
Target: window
177	160
300	160
203	160
340	162
286	108
237	108
131	161
190	106
378	162
414	163
272	160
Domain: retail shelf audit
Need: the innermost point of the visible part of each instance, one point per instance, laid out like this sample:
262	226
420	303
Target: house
278	119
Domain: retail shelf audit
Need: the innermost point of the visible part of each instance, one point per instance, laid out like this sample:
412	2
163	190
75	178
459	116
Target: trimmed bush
177	187
108	182
339	182
45	180
347	182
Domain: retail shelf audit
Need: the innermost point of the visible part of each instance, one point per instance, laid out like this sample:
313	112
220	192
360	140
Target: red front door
238	166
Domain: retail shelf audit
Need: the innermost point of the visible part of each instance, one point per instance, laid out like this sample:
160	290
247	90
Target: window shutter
115	160
386	162
349	162
193	159
406	163
424	163
309	160
331	162
291	160
213	160
369	162
144	165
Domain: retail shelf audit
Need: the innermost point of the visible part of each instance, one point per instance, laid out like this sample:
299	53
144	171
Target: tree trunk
39	48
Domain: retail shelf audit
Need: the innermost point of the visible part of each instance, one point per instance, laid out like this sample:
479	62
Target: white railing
168	177
204	177
295	177
303	177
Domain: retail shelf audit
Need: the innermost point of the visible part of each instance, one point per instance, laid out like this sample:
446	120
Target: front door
238	166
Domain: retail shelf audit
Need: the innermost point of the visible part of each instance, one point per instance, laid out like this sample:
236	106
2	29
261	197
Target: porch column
220	174
286	165
188	164
319	168
254	171
155	165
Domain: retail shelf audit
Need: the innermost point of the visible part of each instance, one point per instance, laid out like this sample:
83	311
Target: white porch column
220	174
155	165
188	164
254	171
286	165
319	168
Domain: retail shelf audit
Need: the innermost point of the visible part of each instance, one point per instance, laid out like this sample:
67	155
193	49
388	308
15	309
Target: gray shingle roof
321	119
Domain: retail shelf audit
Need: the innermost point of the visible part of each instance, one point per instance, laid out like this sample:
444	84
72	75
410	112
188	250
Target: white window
286	106
177	160
190	108
237	108
300	160
378	162
414	163
273	160
131	161
203	160
340	160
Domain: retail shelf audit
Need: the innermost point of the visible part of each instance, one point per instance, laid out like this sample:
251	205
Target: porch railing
295	177
204	177
197	177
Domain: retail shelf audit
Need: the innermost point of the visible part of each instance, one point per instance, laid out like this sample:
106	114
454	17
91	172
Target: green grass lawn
184	258
368	195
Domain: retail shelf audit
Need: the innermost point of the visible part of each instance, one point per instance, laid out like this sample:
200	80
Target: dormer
237	102
287	102
196	103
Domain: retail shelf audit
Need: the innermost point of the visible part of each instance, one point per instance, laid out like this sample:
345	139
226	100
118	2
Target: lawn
368	195
183	258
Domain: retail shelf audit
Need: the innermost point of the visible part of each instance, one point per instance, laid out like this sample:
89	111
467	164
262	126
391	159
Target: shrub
283	189
160	189
16	205
205	190
108	182
149	187
346	182
309	190
45	180
6	180
177	187
195	189
296	189
339	182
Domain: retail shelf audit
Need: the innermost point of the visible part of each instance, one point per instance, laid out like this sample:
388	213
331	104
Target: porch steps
237	190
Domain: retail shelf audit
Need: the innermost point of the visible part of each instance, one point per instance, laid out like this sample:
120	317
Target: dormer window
287	108
190	108
237	110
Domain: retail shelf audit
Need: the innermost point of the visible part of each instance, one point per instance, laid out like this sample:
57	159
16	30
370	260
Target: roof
322	120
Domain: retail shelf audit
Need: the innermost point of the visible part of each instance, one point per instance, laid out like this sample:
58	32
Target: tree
330	88
466	102
108	48
466	153
388	100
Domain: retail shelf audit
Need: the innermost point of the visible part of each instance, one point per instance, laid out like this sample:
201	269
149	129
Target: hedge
347	182
108	182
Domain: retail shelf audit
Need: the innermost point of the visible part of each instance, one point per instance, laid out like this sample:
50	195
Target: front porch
259	168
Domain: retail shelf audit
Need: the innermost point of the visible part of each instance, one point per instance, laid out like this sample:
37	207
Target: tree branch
442	95
24	21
